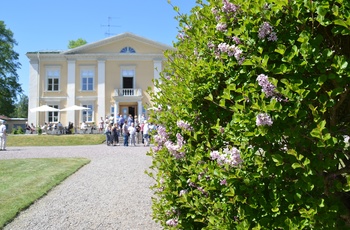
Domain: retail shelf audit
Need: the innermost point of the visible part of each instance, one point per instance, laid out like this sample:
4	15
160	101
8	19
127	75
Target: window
53	78
127	49
128	78
87	79
112	111
87	115
53	116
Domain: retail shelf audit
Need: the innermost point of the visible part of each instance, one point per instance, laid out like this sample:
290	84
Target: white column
116	111
139	109
101	89
34	89
157	64
71	90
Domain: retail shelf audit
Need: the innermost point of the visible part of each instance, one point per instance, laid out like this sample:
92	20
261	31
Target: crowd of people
57	128
133	130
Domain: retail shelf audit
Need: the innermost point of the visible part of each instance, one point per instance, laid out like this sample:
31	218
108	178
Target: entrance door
126	110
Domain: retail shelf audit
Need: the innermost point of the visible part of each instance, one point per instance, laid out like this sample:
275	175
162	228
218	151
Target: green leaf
277	158
296	165
341	23
209	97
281	49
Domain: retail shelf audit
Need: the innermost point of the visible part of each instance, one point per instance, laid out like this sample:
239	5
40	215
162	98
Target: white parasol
44	108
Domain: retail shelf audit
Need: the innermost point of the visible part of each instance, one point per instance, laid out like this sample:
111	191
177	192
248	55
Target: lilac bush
254	123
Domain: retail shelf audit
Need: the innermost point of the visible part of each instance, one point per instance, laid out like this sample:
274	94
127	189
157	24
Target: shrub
252	112
39	130
18	130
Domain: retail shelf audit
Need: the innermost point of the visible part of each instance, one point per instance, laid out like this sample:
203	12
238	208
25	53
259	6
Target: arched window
127	49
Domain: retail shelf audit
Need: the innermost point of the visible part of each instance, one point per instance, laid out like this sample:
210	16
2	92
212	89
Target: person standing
142	118
132	132
108	132
3	135
115	134
121	121
101	125
125	133
130	120
83	127
146	133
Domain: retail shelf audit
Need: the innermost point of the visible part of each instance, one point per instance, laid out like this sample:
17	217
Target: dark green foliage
9	86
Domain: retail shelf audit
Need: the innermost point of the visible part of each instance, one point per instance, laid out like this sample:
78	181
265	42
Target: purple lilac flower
267	87
191	184
211	45
184	125
172	222
229	7
174	149
236	40
157	148
183	192
223	47
228	156
266	30
230	50
202	191
214	11
272	37
214	155
221	27
180	36
263	119
223	182
160	138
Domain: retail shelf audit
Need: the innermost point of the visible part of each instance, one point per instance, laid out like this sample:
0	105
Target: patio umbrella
74	107
44	108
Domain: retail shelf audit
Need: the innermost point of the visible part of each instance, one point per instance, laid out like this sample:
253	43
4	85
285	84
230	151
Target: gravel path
111	192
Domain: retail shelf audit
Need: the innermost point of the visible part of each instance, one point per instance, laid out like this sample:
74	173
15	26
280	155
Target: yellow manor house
110	77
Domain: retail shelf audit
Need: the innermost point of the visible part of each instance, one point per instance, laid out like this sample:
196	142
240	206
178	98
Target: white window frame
88	70
112	113
52	114
53	73
127	68
84	113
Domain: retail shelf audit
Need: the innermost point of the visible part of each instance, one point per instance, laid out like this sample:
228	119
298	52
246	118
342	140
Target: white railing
128	92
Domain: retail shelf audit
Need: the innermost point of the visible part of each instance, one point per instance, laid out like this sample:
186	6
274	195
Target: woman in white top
146	133
3	135
132	131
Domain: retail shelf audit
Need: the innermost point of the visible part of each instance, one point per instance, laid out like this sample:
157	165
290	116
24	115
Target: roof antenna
108	33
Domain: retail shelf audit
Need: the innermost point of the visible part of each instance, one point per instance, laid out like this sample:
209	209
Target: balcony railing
128	92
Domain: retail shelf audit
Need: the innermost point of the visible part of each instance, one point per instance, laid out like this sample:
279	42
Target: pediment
119	44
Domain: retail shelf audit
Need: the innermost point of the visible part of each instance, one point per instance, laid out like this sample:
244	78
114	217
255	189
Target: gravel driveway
111	192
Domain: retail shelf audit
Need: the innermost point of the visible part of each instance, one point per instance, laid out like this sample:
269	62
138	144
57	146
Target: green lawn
55	140
22	181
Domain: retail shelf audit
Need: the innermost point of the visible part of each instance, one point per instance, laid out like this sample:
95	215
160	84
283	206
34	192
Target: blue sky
40	25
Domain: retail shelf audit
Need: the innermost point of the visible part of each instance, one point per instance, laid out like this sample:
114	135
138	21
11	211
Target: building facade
110	77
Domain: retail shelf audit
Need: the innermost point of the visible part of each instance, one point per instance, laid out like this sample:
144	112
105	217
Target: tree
253	115
9	64
21	110
75	43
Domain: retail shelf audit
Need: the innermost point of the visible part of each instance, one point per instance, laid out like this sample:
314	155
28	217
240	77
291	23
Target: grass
23	181
55	140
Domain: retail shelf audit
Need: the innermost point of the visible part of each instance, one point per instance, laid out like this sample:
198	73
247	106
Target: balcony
127	94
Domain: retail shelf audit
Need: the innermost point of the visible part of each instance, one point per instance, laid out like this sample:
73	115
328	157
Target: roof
117	38
105	42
